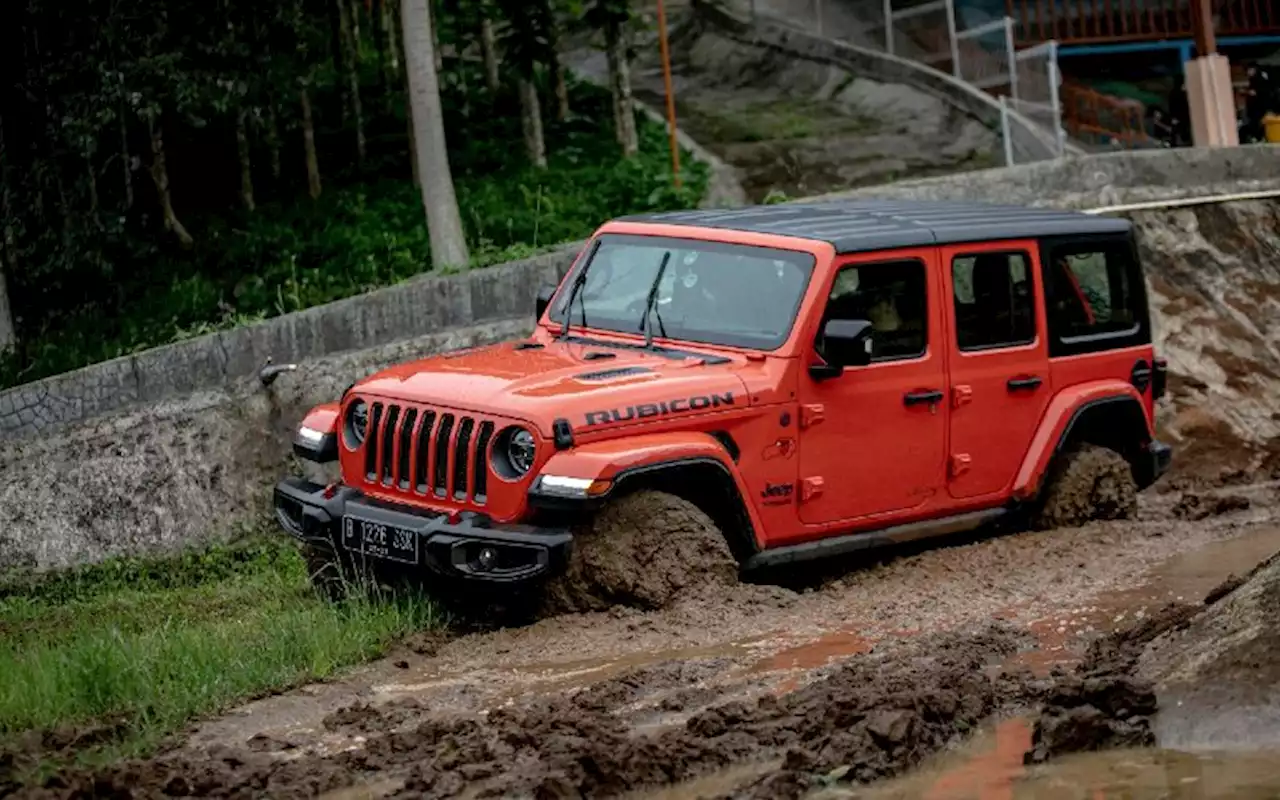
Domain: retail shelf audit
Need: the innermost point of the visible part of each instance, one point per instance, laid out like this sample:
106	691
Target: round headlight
357	423
521	450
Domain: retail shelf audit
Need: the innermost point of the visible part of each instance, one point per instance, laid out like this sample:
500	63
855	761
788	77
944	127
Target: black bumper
516	554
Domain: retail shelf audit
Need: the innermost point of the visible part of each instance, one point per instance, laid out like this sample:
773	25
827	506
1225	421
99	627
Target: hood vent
606	374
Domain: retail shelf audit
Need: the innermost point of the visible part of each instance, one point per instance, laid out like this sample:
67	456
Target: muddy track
855	673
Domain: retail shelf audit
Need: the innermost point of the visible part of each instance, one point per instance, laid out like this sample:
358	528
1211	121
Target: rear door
1000	384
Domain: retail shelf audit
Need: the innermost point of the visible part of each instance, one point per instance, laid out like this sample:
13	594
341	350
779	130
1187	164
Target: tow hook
270	371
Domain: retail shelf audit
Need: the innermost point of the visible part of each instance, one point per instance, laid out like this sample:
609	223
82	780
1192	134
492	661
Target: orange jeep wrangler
713	391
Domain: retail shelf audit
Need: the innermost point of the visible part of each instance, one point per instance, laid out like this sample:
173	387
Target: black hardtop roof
852	226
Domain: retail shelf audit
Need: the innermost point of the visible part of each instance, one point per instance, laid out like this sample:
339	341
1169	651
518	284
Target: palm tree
444	224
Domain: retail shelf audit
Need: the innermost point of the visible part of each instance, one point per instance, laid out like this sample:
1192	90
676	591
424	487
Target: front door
872	439
1000	382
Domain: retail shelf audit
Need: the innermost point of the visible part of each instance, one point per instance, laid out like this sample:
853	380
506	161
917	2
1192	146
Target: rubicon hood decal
663	408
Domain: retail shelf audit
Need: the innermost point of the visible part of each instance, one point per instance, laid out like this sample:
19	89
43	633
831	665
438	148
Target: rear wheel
643	549
1089	483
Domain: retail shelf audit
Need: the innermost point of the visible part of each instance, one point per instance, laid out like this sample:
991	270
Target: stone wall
421	306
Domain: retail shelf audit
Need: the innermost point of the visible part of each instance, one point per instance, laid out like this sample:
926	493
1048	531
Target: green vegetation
288	256
140	647
172	167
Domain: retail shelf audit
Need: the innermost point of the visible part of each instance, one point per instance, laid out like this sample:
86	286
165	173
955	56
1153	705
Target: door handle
923	396
1019	384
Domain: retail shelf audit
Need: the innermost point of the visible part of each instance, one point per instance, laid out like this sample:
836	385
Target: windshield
710	292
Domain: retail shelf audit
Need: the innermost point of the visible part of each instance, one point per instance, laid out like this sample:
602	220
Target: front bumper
430	541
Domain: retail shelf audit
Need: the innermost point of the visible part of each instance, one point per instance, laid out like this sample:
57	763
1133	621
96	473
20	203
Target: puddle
814	654
989	767
1187	577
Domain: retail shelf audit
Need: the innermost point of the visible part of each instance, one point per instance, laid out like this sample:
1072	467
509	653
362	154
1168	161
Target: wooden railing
1097	21
1101	119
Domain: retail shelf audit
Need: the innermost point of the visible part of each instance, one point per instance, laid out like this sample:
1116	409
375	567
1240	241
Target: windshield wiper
575	291
650	306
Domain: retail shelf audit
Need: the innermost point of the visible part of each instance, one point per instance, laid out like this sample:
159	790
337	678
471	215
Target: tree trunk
556	63
246	165
126	159
392	37
160	176
91	180
357	43
8	253
624	115
273	142
437	56
351	64
531	123
309	142
444	224
489	48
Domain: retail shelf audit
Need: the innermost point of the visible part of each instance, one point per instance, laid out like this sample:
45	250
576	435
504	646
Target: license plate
380	540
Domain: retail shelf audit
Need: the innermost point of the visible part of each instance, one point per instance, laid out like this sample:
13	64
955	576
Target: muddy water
1186	577
989	767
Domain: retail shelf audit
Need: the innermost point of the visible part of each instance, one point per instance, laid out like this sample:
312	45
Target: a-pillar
1210	98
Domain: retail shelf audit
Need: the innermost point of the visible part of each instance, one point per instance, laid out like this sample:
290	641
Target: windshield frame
803	259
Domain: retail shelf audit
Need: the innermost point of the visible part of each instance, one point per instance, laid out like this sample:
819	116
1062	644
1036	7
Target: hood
591	385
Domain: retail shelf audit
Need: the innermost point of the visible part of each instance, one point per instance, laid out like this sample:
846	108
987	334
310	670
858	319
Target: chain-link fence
924	32
1036	99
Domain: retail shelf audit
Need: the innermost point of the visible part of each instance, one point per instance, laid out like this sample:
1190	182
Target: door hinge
961	395
812	414
960	463
811	488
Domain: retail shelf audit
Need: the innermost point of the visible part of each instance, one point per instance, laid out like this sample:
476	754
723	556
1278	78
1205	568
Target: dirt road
857	675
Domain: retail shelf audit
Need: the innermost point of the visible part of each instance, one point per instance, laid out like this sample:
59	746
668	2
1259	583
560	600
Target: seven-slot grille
428	452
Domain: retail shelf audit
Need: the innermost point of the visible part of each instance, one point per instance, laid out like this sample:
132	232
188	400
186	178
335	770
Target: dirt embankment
1213	273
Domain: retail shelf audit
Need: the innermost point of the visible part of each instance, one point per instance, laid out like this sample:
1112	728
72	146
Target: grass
144	646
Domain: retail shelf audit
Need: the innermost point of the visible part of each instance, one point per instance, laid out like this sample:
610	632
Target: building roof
852	226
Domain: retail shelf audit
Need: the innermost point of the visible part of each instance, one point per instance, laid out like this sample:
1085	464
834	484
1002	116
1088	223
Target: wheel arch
682	463
1108	416
687	478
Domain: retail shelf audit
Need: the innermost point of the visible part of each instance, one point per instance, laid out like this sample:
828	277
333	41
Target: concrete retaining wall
181	444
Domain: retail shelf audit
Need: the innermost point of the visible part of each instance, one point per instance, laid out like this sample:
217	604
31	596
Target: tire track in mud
607	702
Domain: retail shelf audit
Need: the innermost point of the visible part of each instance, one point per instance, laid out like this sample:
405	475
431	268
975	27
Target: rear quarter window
1095	296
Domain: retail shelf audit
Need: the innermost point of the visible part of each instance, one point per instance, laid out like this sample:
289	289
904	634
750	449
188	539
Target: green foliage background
94	274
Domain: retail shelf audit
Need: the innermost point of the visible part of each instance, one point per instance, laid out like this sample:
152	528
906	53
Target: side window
1095	297
995	302
891	295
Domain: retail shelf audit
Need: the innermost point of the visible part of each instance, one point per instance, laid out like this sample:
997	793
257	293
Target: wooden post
1202	27
671	98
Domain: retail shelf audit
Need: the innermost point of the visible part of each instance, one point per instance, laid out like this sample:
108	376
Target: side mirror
844	343
545	293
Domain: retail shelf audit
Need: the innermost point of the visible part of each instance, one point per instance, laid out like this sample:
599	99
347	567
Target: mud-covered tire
643	550
1088	483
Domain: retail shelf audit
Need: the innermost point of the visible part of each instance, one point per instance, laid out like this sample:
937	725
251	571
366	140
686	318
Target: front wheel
643	549
1089	483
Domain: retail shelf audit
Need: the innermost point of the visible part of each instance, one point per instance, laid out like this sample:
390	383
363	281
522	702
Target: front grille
428	452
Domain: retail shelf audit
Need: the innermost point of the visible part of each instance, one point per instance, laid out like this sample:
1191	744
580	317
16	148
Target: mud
870	718
643	550
1092	483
